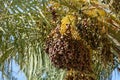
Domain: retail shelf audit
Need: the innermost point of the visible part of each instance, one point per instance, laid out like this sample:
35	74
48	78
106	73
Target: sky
115	75
16	72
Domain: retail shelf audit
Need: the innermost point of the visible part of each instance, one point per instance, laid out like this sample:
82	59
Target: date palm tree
25	25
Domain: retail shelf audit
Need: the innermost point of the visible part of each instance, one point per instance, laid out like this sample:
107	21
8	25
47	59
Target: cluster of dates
95	34
66	52
89	30
67	46
76	75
